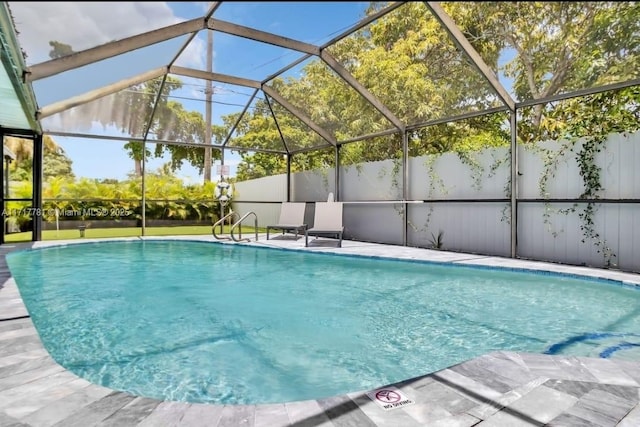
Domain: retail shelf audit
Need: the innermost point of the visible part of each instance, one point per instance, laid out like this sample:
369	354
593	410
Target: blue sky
87	24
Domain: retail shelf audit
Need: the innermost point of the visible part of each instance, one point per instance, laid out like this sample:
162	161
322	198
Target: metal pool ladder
221	221
239	225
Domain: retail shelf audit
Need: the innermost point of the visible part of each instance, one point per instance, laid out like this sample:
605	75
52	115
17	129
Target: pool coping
498	388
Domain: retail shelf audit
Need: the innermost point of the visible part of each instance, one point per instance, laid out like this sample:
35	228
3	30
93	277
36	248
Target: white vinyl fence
463	202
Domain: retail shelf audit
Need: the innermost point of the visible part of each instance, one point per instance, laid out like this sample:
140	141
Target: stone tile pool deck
501	388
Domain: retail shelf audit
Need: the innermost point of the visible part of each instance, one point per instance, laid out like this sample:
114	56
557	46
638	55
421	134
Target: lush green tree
562	47
257	129
187	126
170	122
394	59
408	61
57	164
55	160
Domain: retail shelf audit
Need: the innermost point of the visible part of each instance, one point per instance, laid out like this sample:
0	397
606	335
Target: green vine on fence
477	170
497	163
395	182
550	159
395	176
588	140
586	159
591	177
435	182
592	120
324	175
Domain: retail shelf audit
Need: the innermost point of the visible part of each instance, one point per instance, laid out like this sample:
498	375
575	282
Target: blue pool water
207	322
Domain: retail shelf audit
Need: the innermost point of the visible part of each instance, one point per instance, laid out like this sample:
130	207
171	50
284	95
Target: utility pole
208	93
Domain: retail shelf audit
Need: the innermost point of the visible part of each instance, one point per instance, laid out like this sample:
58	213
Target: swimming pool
207	322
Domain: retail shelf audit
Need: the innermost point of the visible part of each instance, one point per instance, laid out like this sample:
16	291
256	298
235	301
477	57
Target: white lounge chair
327	221
291	218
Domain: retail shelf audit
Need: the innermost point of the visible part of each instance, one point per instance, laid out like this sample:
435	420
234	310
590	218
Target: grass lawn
124	232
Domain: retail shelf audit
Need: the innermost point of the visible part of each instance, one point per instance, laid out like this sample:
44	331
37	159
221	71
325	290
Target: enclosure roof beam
13	61
293	110
255	150
287	68
579	92
363	23
342	72
111	49
457	118
212	9
463	44
156	102
262	36
99	93
386	132
275	120
216	77
310	149
159	141
240	116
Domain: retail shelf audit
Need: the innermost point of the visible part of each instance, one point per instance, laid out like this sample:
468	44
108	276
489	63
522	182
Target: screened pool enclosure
498	128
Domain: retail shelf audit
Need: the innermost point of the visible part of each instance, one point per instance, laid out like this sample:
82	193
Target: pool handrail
239	224
221	221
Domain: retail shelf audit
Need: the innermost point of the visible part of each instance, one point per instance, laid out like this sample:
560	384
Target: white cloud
194	55
84	25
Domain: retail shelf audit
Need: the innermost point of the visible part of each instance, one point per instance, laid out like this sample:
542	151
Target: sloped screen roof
308	75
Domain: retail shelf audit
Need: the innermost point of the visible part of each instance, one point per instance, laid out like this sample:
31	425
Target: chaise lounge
327	221
291	218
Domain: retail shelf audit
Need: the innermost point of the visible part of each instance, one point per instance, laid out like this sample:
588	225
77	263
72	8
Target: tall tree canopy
55	162
408	61
560	47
